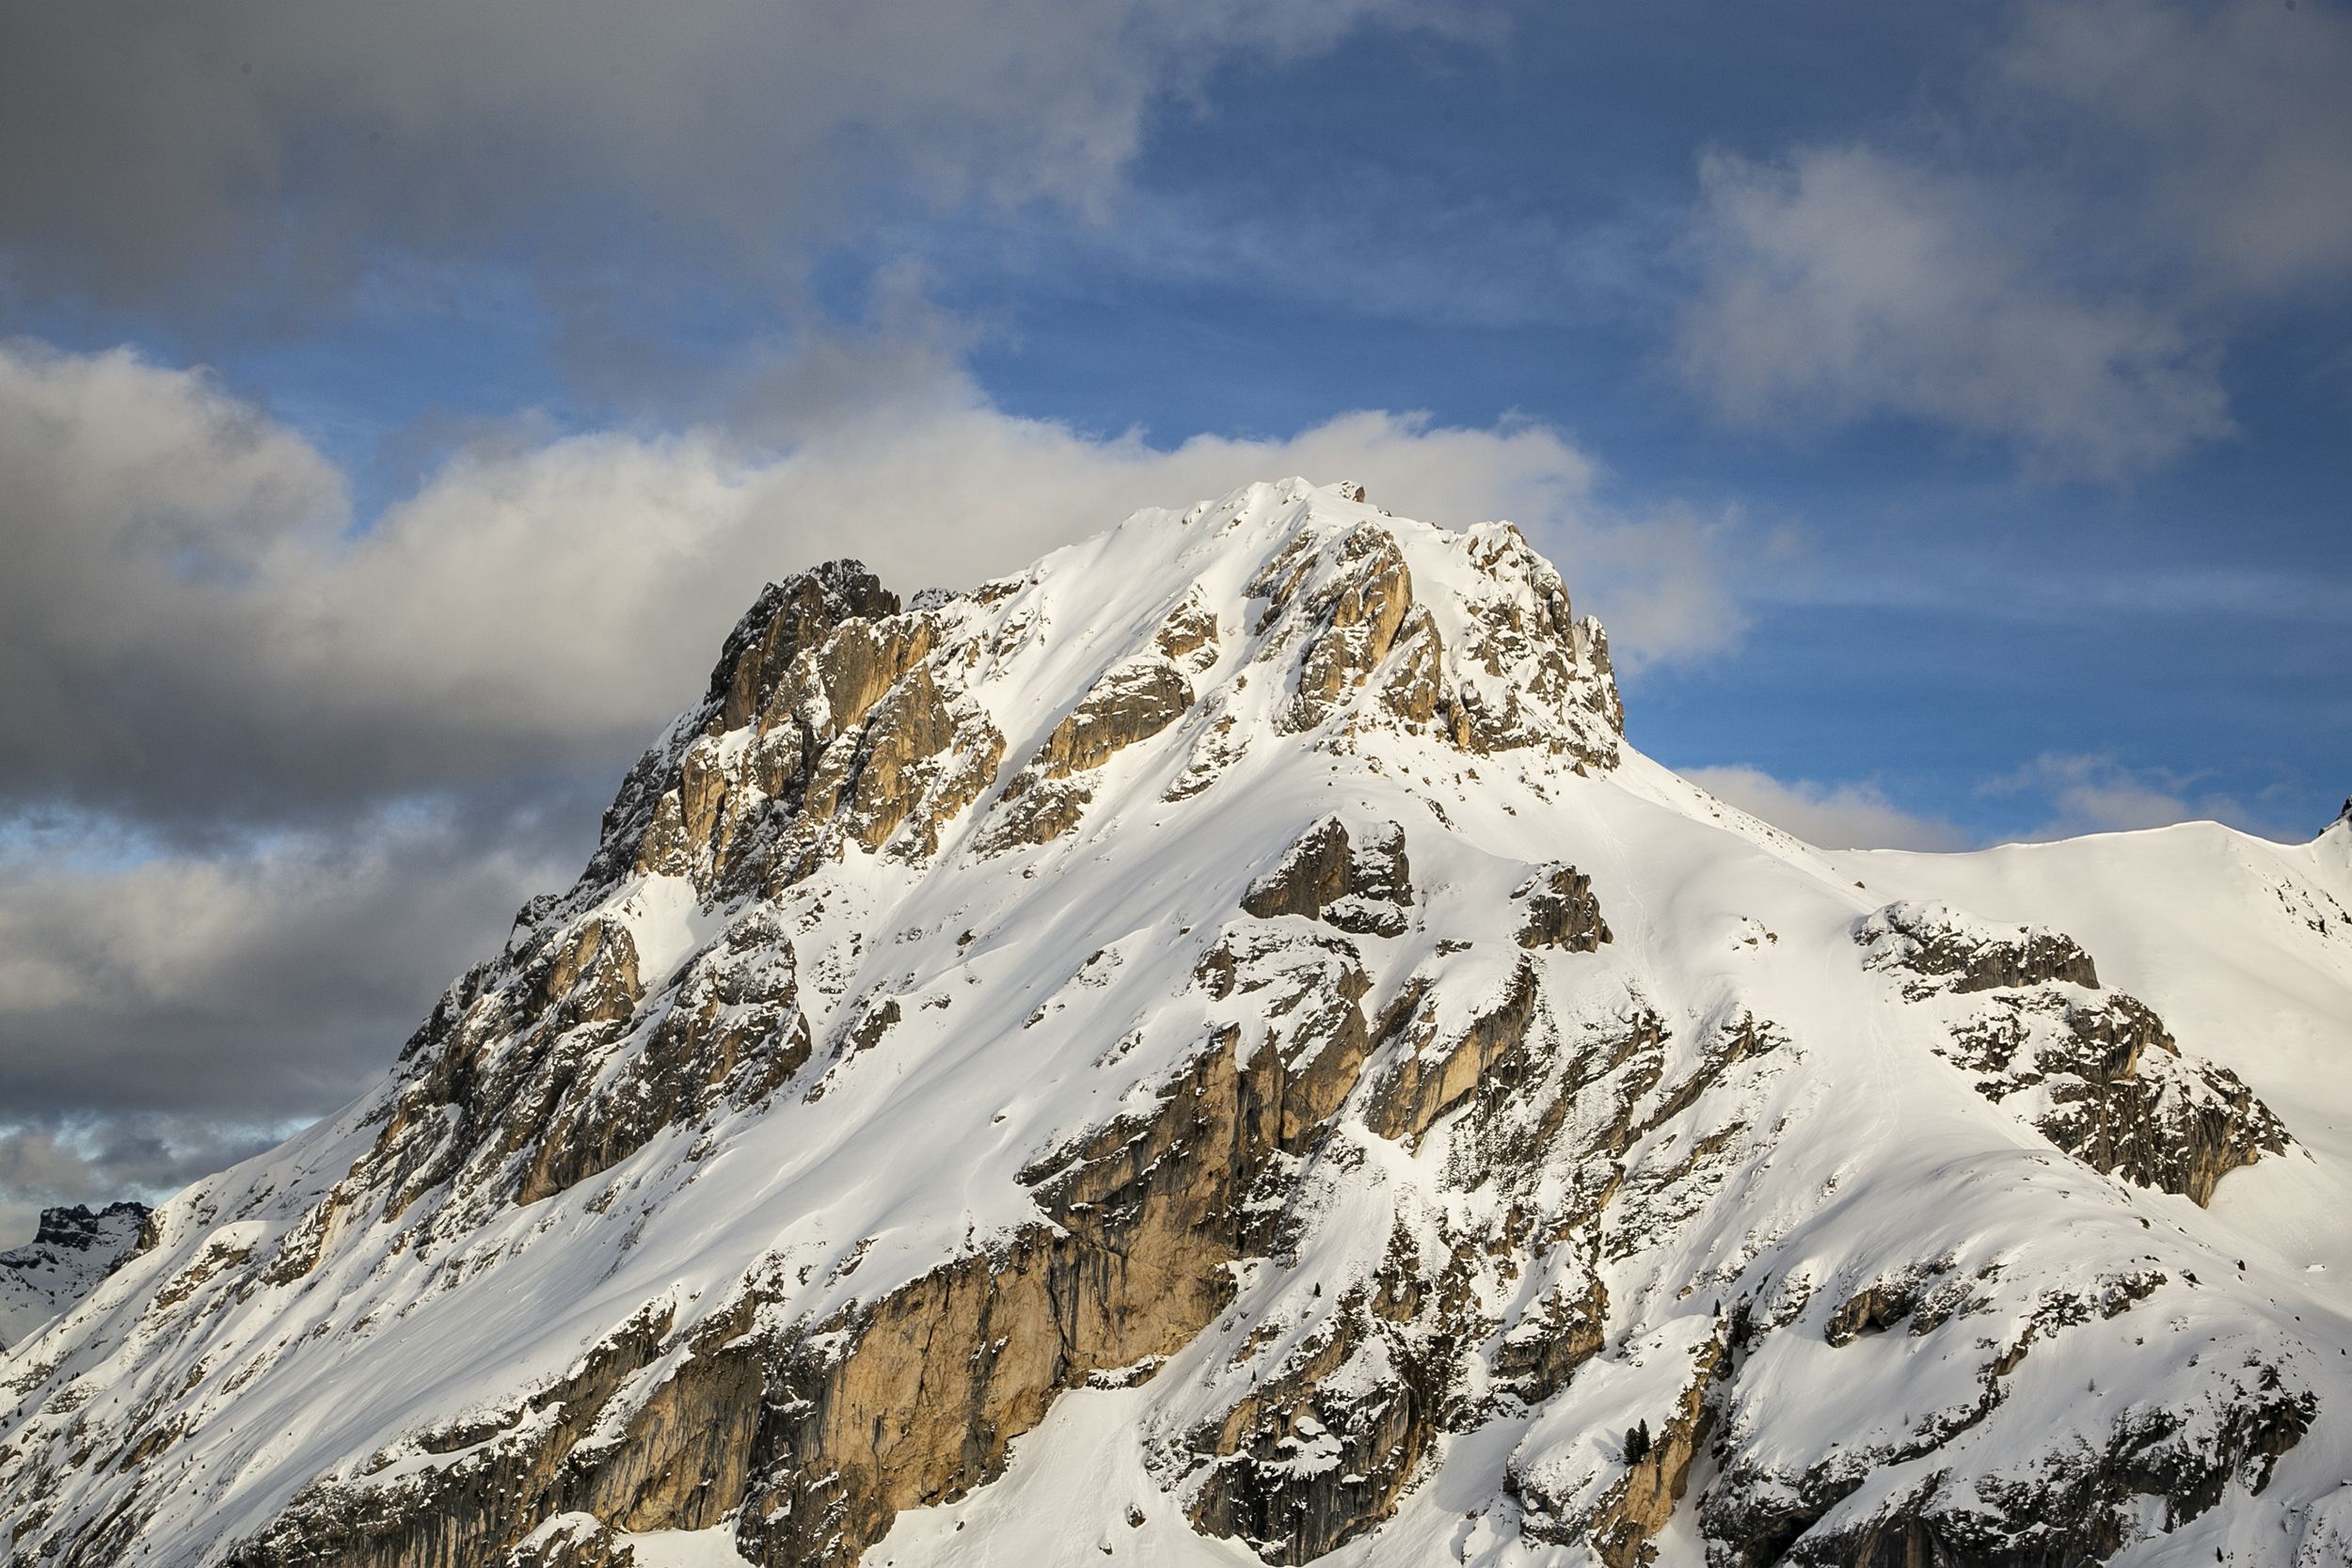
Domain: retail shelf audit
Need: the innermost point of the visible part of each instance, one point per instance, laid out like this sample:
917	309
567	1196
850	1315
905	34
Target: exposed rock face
1528	674
1943	952
2106	1083
1355	618
1315	1458
1562	912
733	1032
1146	1215
832	717
1363	884
1006	1030
2099	1077
1628	1511
1433	1076
1133	701
1533	657
2069	1504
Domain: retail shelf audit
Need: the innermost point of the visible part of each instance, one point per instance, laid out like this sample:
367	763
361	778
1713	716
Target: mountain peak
1283	613
1213	1043
72	1250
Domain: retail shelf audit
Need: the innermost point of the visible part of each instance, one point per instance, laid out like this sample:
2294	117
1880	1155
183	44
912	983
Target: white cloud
2093	794
2232	121
2059	259
1854	816
1844	282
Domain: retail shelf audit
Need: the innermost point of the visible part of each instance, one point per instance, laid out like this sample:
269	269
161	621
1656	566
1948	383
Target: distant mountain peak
71	1250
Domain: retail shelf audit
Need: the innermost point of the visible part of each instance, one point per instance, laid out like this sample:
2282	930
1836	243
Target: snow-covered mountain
1214	1050
71	1250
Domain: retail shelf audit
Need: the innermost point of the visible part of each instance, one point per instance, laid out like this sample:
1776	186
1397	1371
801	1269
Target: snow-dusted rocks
1361	883
1561	911
1941	950
2097	1075
1211	1049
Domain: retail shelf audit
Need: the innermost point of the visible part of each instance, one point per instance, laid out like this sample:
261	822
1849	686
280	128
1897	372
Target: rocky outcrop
1617	1516
1188	638
1527	675
834	718
2100	1077
1531	673
2067	1504
1537	1356
1561	911
1940	950
789	618
1356	620
1362	884
732	1033
1133	701
1432	1077
1319	1455
2105	1082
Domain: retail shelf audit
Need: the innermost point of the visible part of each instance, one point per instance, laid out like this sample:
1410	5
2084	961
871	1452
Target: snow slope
1213	1050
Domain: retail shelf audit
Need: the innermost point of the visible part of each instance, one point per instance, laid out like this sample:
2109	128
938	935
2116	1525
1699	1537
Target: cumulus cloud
2060	260
1852	815
158	149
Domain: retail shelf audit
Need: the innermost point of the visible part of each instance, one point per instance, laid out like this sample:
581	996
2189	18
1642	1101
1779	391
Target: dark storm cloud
49	1160
164	1016
262	982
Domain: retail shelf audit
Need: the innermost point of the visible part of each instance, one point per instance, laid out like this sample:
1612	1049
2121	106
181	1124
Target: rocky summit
1214	1050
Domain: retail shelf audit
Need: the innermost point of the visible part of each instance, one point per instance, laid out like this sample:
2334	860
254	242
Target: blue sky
1948	409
